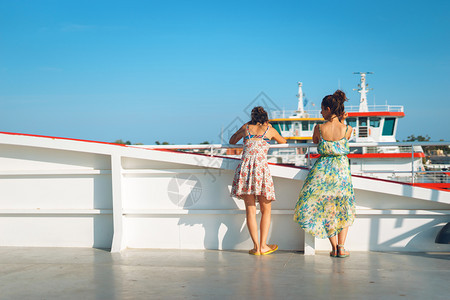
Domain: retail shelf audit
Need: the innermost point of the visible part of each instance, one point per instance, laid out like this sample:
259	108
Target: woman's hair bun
335	102
259	115
340	96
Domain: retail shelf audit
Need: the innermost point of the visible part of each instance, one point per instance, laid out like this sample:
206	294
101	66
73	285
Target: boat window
305	125
363	121
374	122
388	128
287	126
351	122
277	126
311	126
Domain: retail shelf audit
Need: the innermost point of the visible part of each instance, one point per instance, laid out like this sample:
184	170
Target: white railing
375	147
389	108
284	114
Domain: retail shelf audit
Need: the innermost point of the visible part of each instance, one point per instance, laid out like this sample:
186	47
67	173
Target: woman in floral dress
252	180
326	205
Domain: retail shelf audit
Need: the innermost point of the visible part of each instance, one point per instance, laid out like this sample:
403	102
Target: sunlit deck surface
84	273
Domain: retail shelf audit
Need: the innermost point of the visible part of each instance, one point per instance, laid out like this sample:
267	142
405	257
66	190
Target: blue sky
179	71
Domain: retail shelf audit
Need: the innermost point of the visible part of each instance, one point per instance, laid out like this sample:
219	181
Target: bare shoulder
244	127
242	130
272	131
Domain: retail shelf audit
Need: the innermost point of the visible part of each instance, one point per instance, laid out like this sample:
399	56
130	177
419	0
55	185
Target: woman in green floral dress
326	205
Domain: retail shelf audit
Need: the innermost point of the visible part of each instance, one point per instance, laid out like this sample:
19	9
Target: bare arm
316	134
348	135
343	117
349	132
276	136
237	135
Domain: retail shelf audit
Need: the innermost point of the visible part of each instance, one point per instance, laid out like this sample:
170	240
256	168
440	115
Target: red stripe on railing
376	114
60	138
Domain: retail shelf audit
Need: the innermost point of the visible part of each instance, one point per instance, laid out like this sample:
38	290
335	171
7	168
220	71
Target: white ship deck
174	232
84	273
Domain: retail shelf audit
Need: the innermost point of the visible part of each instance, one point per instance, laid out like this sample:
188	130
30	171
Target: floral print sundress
326	203
252	175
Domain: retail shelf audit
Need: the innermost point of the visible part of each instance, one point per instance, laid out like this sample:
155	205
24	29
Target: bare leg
342	236
266	213
252	225
333	241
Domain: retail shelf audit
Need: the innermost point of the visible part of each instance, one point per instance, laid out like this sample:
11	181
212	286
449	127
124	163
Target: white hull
67	193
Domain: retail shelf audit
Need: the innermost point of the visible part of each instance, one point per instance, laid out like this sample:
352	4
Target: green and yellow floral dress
326	203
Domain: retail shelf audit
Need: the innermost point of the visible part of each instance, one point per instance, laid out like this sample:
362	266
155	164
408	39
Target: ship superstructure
371	123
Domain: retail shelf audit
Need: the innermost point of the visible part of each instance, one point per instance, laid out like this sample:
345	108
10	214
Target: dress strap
265	132
248	131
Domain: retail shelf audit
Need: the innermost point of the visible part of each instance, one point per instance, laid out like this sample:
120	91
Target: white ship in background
371	123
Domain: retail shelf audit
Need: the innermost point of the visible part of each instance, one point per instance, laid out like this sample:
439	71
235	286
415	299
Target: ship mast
363	90
300	108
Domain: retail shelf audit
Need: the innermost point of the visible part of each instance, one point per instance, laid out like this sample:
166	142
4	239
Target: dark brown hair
259	115
335	102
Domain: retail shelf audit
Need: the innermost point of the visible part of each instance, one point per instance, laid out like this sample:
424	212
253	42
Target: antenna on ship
363	90
300	108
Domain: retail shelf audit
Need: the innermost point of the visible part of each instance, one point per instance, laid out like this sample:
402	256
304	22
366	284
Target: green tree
419	138
426	138
122	142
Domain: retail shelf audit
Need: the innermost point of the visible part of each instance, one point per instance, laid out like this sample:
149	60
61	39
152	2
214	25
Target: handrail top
300	145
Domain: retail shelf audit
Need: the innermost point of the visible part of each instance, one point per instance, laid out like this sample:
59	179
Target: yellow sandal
272	249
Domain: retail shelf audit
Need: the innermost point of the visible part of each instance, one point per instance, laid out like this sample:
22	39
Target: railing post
309	244
309	156
412	163
118	242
